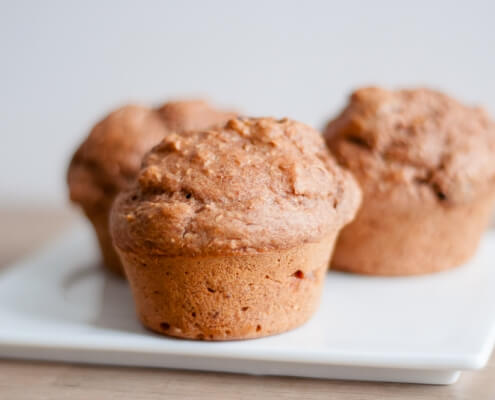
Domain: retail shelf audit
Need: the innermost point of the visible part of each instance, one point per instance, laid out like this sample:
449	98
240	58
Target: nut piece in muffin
228	232
109	158
426	165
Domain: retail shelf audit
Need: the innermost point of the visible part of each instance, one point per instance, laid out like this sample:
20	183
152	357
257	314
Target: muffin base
228	297
384	242
111	260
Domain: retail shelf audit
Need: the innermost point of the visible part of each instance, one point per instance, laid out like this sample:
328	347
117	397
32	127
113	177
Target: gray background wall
65	63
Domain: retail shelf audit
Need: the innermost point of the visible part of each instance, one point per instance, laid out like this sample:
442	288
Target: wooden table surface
23	230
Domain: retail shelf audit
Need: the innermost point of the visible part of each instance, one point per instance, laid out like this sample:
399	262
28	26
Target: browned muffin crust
253	185
227	233
229	297
109	158
415	146
190	115
426	166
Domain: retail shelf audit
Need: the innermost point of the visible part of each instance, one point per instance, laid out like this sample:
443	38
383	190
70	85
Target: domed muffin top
110	157
251	185
191	115
414	146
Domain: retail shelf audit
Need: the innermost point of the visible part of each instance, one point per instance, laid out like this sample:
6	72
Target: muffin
109	159
227	232
426	165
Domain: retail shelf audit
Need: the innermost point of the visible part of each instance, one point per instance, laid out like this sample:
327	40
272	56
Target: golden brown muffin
109	159
426	165
228	232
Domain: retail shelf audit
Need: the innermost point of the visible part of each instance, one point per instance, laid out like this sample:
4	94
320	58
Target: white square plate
60	305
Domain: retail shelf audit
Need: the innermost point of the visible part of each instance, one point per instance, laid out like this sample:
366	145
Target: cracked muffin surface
109	158
415	145
426	166
252	185
227	233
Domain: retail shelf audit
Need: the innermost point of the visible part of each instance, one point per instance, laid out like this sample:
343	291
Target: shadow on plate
81	294
116	309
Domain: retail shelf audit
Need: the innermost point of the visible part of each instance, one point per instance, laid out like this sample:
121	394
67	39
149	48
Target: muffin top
110	157
191	115
410	146
249	186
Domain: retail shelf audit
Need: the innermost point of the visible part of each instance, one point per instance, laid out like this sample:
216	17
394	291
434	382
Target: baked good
109	158
426	165
227	232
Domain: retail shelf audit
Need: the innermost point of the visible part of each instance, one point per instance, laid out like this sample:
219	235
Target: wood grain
23	230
